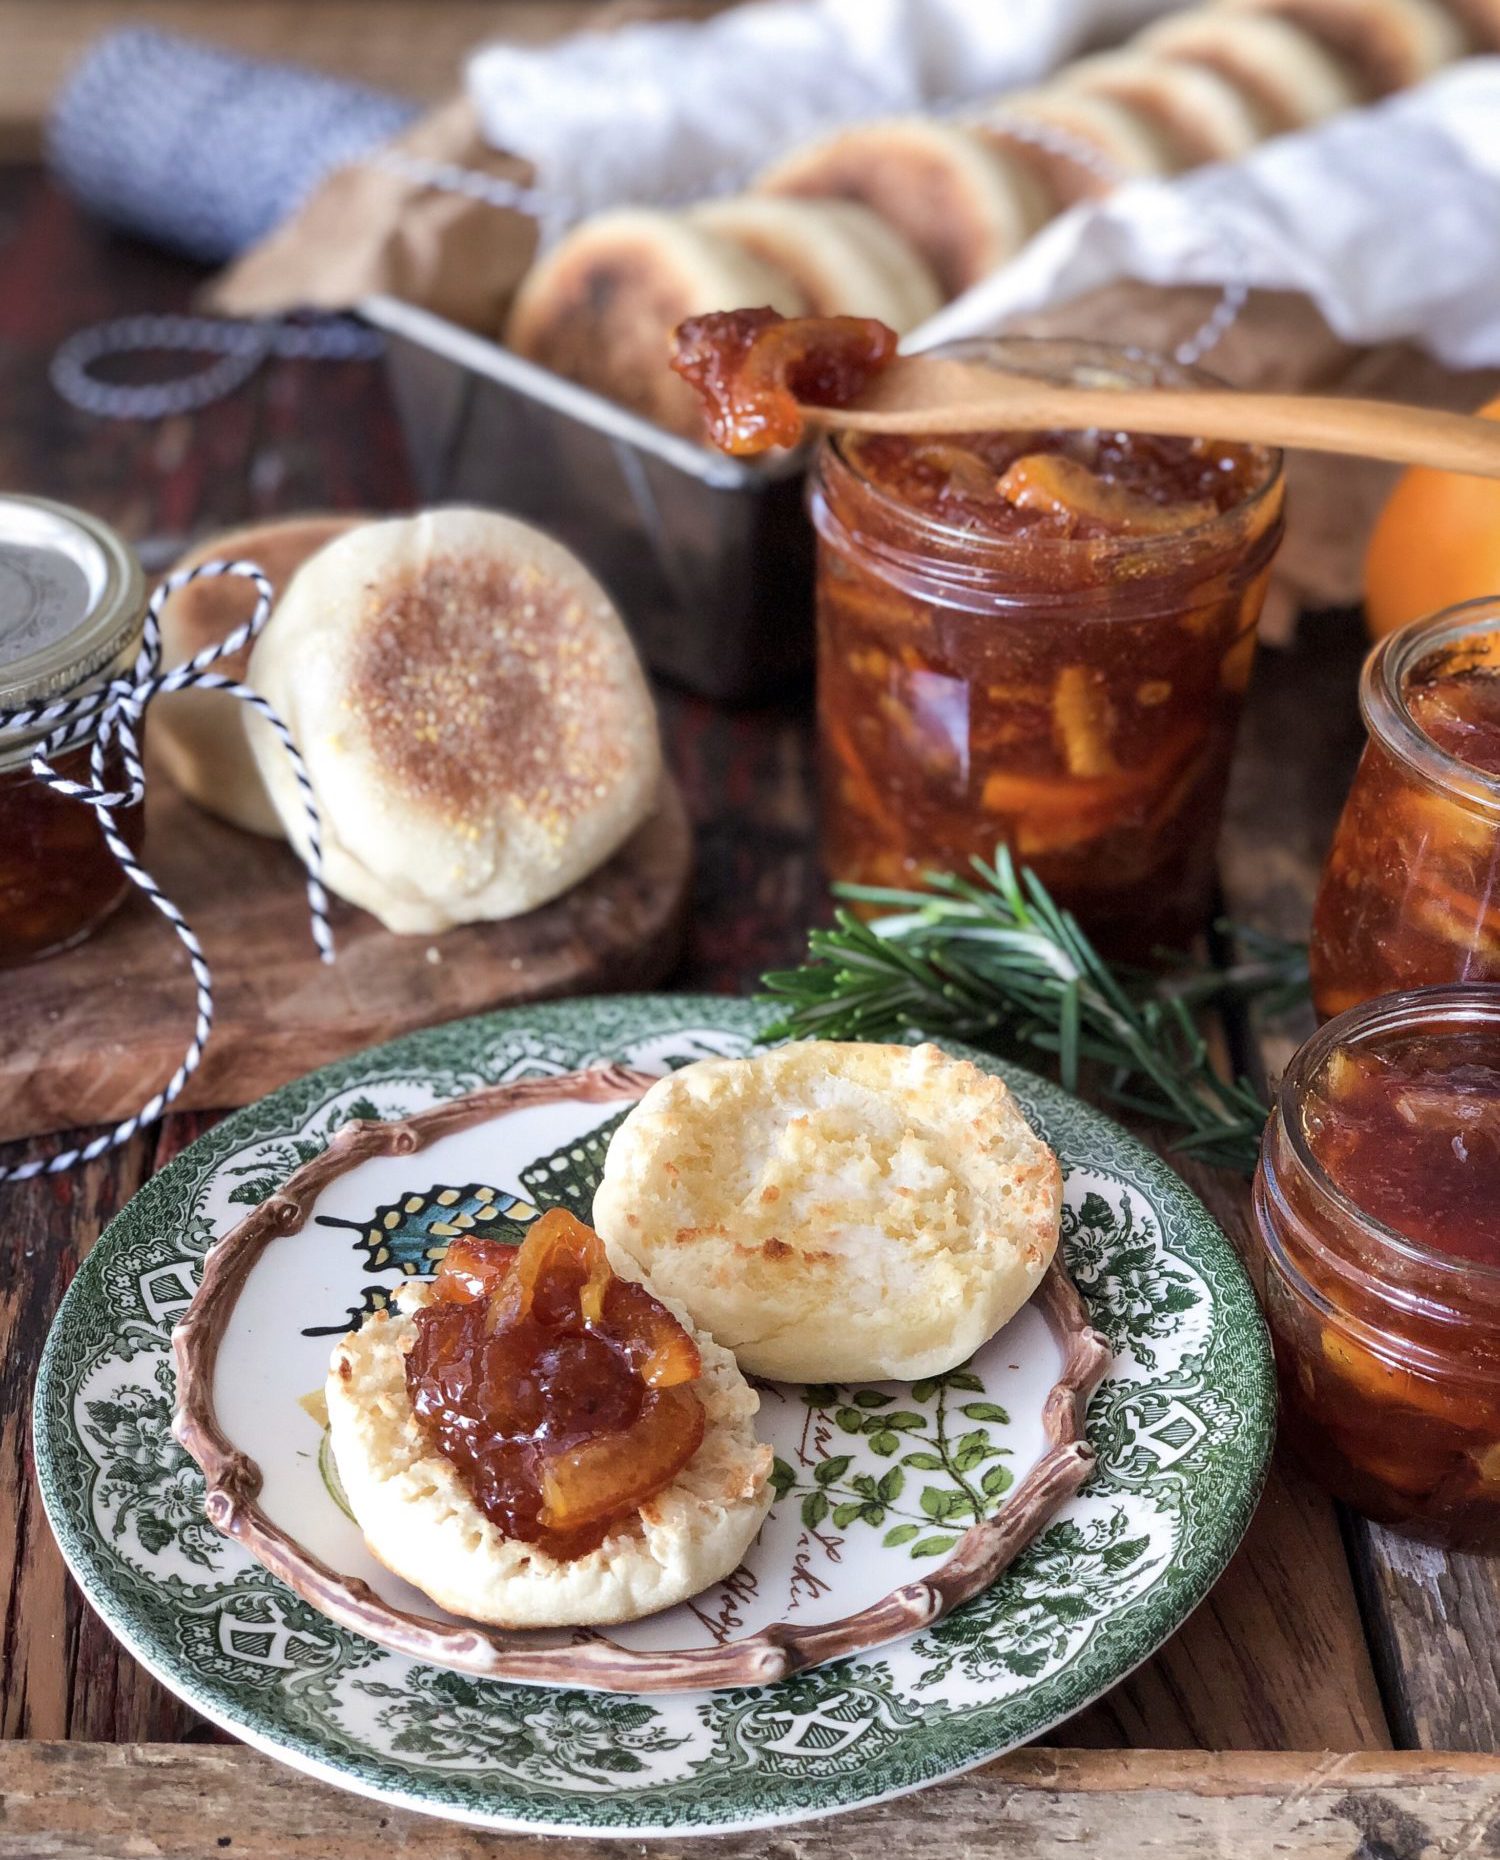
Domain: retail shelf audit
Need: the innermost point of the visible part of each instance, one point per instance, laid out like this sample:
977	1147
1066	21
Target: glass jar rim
1387	712
98	645
1413	1010
1075	356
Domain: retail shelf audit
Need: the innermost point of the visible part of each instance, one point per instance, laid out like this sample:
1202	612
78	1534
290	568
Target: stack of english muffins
892	219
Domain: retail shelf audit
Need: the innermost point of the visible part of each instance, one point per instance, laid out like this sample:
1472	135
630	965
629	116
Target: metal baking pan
709	558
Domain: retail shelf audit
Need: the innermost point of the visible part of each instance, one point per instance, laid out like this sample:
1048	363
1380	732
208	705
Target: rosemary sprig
993	960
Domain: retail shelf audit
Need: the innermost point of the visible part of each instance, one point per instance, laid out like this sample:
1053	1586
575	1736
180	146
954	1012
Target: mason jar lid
72	605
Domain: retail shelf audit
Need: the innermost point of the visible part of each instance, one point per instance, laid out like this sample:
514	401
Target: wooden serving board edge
83	1801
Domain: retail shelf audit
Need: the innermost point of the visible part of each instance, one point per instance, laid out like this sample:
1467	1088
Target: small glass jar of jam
1040	639
1378	1205
1410	895
72	604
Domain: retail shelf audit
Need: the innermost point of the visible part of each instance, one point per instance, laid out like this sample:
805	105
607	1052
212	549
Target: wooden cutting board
87	1036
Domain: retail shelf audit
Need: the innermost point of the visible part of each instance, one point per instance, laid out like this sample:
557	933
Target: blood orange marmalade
1411	890
562	1394
1378	1200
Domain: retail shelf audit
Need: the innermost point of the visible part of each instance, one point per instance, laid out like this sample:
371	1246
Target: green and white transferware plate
876	1484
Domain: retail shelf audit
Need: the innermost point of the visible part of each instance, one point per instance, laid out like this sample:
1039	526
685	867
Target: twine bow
110	718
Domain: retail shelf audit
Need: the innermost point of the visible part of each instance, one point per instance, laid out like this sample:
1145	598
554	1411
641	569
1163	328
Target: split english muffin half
420	1519
845	260
1387	44
834	1212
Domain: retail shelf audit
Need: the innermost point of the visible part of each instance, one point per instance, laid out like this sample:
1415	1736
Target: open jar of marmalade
1410	894
1376	1201
72	604
1041	639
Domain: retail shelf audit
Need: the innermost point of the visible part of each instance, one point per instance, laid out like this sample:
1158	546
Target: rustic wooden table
1326	1635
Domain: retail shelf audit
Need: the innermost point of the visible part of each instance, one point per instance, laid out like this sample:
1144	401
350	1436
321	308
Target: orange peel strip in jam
1008	791
1085	720
602	1480
755	370
563	1395
1057	486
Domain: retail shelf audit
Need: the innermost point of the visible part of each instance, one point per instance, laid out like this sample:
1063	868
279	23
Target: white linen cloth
666	111
1388	218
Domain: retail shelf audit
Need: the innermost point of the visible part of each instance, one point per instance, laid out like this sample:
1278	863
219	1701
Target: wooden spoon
934	394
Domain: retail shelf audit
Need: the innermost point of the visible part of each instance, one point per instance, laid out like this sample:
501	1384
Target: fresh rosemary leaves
993	960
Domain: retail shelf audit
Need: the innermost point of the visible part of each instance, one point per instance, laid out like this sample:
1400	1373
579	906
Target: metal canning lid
72	604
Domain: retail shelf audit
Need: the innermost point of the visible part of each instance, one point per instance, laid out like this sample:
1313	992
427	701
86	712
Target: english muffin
965	206
833	1212
601	306
1204	115
1387	44
201	737
1082	144
420	1520
844	259
1294	78
476	726
1481	18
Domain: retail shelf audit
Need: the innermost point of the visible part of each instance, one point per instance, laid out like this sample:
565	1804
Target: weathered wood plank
46	1228
1434	1623
1299	742
93	1802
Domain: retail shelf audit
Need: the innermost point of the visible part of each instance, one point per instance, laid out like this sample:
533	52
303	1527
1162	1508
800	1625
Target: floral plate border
1183	1447
234	1479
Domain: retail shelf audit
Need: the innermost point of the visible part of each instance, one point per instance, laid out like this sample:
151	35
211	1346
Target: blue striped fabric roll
205	150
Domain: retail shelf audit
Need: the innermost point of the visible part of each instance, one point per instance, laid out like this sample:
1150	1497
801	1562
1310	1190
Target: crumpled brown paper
367	229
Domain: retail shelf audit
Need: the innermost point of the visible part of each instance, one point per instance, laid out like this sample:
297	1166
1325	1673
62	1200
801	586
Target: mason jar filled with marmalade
1041	639
72	605
1410	895
1378	1205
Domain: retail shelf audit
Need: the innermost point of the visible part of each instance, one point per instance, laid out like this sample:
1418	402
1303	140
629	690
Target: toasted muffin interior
835	1212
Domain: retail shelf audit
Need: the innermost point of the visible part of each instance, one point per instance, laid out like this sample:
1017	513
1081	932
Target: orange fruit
1436	542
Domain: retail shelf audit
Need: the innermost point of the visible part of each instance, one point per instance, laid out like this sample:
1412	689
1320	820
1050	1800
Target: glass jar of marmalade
1410	894
1376	1202
72	604
1040	638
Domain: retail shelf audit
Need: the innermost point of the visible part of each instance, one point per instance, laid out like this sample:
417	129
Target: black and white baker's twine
241	345
110	718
